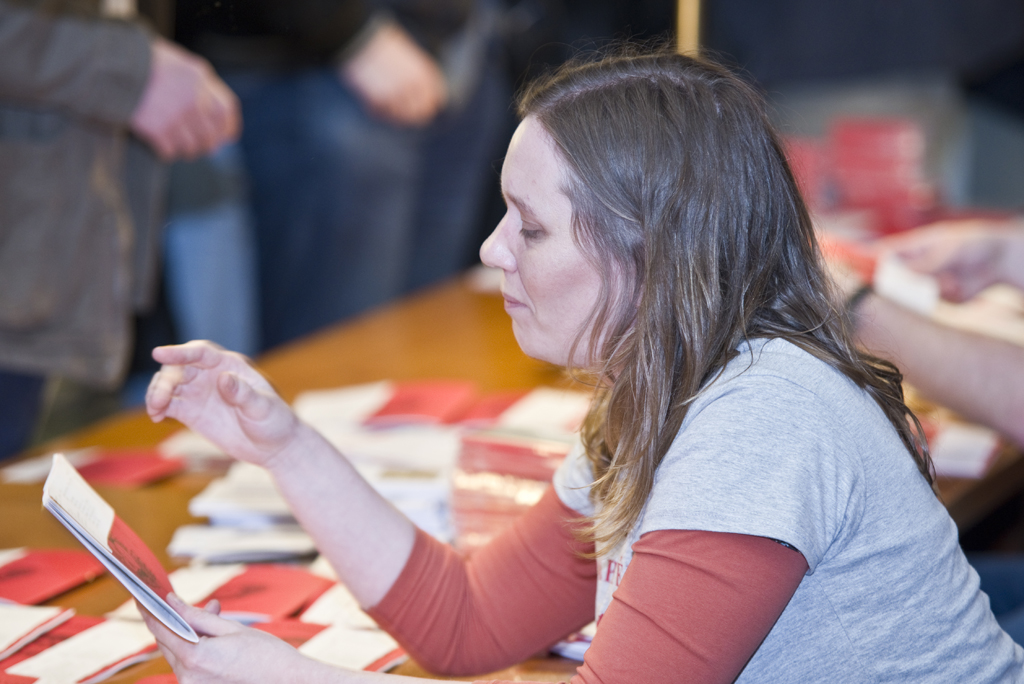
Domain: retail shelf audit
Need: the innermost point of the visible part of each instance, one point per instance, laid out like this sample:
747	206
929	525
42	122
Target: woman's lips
511	302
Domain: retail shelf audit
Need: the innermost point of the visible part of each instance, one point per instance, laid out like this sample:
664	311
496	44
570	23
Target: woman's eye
530	234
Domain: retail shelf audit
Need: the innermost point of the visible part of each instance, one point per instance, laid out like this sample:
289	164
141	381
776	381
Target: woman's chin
535	349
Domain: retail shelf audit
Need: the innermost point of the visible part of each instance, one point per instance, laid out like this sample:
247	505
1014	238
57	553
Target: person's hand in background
186	110
965	257
395	78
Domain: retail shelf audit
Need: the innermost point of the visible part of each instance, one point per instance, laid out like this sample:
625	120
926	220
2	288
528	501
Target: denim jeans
352	211
210	253
20	398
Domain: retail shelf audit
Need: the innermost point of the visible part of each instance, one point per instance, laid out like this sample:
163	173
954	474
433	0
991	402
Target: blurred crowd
250	171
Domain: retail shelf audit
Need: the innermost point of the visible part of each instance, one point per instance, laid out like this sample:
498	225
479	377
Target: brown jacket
79	197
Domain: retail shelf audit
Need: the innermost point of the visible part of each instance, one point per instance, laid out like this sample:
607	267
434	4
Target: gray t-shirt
783	446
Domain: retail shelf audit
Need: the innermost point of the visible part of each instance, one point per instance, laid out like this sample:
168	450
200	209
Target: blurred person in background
978	376
370	132
92	100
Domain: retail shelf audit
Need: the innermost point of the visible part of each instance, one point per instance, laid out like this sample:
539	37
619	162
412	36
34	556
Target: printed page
78	500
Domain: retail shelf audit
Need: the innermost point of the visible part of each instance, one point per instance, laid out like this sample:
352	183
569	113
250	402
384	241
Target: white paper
997	312
337	606
80	501
546	411
411	447
11	555
897	282
343	646
87	652
352	404
219	544
321	567
962	450
190	445
32	470
575	646
246	495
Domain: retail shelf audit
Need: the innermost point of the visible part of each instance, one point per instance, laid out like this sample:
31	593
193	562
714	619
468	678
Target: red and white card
21	625
89	654
31	576
431	402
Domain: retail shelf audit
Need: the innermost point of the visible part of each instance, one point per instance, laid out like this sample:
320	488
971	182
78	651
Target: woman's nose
495	251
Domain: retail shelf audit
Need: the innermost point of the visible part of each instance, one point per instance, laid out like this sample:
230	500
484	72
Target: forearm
96	68
518	595
1012	262
978	377
364	537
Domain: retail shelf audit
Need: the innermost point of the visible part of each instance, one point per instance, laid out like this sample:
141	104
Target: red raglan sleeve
692	606
510	600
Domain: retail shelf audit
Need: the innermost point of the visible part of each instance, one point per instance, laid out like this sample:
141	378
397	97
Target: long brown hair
682	196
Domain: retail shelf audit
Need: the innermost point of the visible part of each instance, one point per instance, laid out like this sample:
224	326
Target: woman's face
549	286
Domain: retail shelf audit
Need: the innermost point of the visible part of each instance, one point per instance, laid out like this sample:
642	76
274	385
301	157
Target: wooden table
447	332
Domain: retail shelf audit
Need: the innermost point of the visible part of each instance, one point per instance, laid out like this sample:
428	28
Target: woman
748	484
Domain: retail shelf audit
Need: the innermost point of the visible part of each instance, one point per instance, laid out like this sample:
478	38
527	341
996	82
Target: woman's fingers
200	353
205	623
255	406
161	390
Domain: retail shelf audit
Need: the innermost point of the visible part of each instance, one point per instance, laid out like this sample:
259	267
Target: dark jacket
79	197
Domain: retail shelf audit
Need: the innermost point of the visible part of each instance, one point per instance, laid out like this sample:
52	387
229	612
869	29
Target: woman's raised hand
221	396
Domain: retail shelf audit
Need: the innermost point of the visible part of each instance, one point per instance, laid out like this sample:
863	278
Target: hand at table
226	652
186	110
964	256
396	79
221	396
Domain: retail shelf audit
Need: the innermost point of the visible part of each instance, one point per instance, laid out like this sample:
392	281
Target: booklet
93	522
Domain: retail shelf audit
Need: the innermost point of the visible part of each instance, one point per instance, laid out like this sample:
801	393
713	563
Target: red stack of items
499	475
879	166
875	165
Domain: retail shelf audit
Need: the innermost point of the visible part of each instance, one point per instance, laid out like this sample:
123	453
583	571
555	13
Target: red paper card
486	410
168	678
424	402
15	679
65	630
295	632
129	468
41	574
268	592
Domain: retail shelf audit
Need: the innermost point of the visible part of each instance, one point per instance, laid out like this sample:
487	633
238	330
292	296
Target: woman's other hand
965	256
220	395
